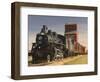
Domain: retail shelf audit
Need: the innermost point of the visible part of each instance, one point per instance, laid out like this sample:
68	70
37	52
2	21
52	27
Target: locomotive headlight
40	38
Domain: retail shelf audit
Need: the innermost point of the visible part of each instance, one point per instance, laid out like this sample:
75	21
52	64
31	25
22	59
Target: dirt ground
80	59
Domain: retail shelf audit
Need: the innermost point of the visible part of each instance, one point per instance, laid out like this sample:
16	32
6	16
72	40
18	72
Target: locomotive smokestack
44	29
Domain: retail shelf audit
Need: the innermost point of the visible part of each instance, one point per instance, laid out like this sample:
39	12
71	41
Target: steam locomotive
49	46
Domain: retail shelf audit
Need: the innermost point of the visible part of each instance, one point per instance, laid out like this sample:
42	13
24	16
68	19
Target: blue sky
56	23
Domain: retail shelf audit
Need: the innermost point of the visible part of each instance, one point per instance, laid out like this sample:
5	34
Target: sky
57	24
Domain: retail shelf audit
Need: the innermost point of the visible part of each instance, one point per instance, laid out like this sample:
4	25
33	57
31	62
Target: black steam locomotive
49	46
